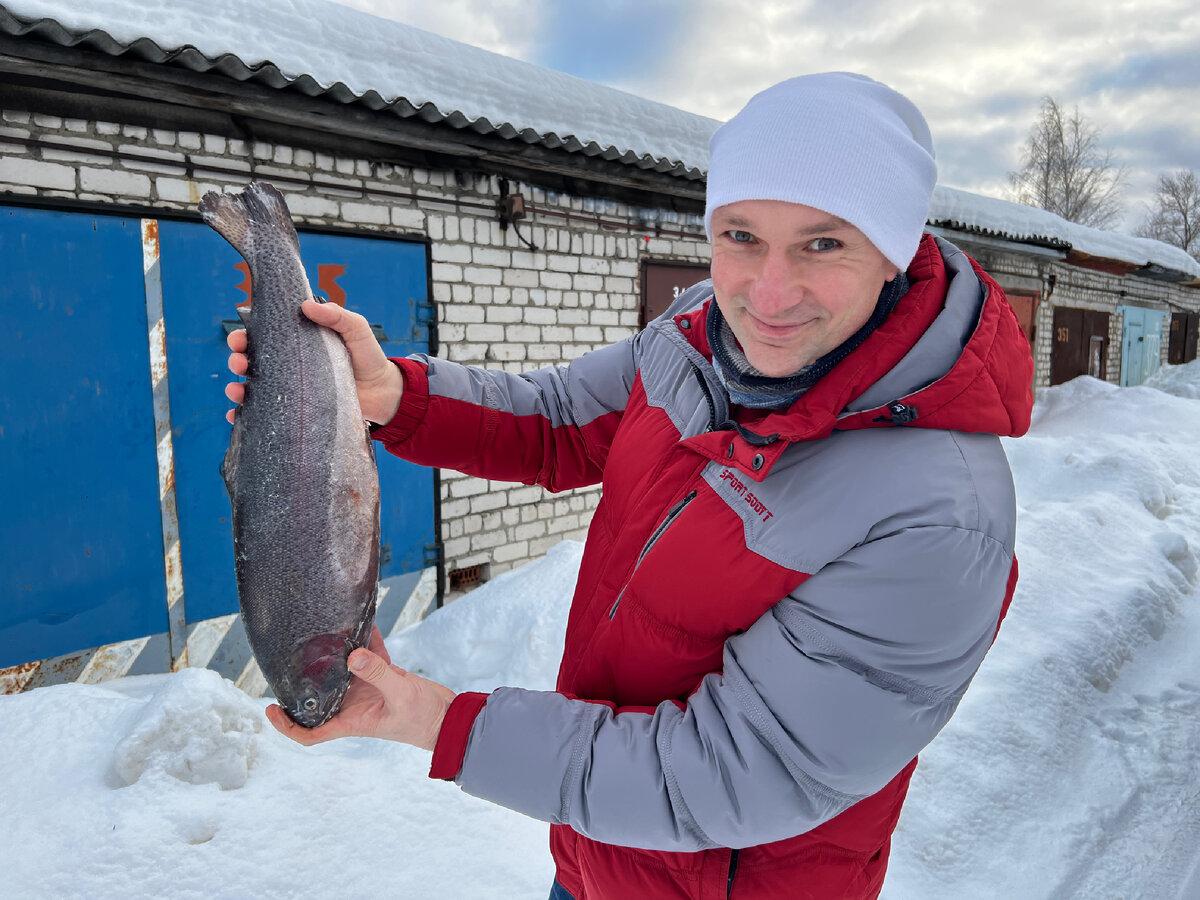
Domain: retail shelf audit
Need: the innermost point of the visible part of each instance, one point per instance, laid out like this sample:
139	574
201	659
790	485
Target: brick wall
499	303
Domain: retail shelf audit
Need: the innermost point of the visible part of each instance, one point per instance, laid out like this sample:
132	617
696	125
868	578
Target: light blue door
1141	343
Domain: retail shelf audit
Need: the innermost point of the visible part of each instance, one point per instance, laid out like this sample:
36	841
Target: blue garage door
1141	343
81	556
203	281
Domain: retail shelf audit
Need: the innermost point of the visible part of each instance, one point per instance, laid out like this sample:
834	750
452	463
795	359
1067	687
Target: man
805	544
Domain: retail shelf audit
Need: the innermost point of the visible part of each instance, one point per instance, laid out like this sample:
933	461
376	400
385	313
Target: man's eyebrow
833	223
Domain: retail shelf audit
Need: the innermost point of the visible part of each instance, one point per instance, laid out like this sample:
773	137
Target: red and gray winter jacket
776	611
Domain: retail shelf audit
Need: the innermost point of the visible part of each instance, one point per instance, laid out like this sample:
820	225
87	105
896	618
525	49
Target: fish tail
260	207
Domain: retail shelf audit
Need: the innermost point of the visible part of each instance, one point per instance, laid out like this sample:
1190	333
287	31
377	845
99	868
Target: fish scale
300	472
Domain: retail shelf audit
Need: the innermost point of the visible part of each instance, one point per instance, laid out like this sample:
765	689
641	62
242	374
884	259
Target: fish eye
310	704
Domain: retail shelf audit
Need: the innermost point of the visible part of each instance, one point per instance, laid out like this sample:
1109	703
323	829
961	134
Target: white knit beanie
838	142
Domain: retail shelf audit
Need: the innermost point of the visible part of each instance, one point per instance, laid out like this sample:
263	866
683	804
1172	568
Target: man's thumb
369	667
327	314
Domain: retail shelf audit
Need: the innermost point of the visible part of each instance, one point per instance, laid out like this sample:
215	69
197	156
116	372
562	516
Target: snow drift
1069	770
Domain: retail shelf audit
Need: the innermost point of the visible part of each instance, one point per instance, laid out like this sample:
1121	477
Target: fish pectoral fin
230	462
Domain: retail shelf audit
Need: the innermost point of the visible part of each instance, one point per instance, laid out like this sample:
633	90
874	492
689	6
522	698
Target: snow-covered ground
1072	769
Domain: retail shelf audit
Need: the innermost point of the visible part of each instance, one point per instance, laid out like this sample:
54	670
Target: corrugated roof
322	49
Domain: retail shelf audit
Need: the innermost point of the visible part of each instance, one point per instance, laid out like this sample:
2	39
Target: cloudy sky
977	70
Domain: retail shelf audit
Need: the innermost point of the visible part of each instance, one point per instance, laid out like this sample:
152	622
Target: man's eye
824	244
740	237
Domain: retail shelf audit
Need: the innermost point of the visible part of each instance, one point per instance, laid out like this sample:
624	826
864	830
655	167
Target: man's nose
776	288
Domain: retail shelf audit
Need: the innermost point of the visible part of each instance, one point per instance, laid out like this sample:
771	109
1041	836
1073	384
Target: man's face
793	282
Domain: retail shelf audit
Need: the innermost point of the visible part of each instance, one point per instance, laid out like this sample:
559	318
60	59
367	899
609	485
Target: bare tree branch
1174	217
1065	170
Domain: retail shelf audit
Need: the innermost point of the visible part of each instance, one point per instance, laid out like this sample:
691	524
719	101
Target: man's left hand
383	701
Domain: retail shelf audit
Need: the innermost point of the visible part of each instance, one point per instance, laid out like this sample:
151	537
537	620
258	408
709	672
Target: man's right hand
377	378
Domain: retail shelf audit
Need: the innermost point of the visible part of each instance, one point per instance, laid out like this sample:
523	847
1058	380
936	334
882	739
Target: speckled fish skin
300	472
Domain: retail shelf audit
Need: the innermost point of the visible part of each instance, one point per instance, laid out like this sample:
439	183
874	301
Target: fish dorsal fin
237	217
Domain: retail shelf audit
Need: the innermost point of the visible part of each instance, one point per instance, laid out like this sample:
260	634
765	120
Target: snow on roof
322	48
1016	221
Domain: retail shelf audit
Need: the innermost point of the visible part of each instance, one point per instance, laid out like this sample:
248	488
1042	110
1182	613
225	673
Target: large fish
300	472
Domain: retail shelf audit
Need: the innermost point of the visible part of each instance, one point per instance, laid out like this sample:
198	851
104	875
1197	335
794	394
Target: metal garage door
81	559
81	524
1141	343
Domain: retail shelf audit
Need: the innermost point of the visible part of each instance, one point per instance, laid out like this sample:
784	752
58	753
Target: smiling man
805	544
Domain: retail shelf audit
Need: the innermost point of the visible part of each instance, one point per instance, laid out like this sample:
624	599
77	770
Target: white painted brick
20	189
452	509
137	132
481	293
456	253
456	548
505	314
485	256
466	228
468	487
624	268
623	285
558	280
111	181
176	190
408	217
485	333
573	316
588	334
44	121
535	315
574	351
526	494
310	205
163	136
520	278
485	502
458	312
506	352
518	550
556	333
559	263
604	317
544	352
612	334
447	272
365	212
588	283
22	118
449	334
541	545
524	259
511	516
593	266
532	530
520	333
467	353
489	540
563	523
435	226
31	173
477	275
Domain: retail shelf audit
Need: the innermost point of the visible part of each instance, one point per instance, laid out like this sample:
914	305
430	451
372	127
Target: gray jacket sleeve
820	703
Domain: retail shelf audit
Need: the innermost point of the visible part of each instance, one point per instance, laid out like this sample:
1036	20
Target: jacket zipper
733	861
658	533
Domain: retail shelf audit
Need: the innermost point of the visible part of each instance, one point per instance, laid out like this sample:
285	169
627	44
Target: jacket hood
950	356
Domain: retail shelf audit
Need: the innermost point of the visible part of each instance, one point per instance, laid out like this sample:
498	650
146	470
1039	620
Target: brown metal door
1079	345
662	282
1025	307
1185	328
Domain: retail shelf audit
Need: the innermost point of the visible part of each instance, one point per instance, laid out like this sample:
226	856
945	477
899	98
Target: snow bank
1069	770
1062	774
1182	381
198	727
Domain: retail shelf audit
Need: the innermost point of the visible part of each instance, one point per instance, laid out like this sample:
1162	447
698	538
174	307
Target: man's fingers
229	416
236	392
237	340
298	733
239	363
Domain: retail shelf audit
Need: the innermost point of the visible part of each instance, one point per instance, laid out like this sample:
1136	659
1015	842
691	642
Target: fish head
318	678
